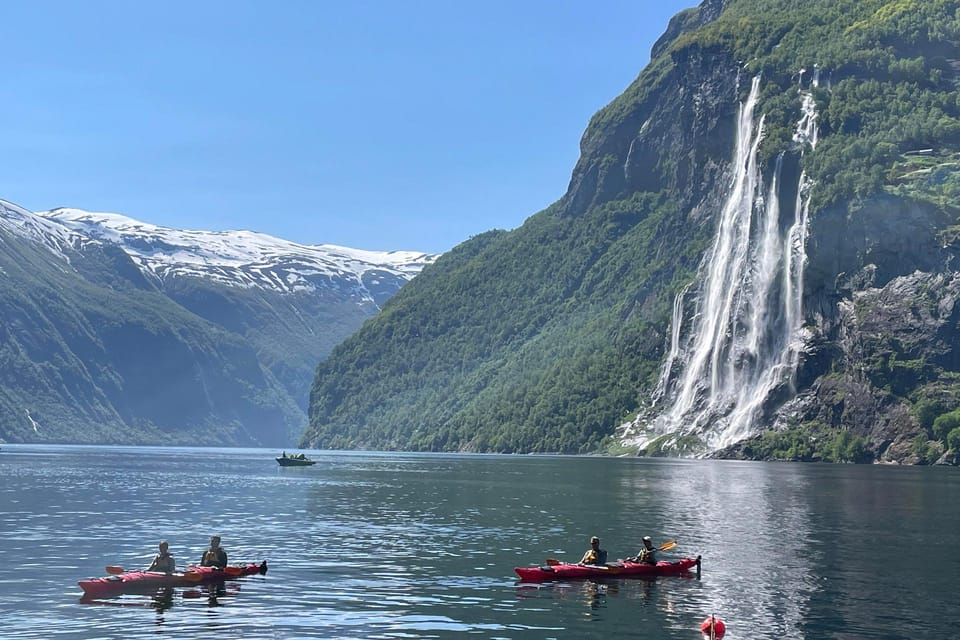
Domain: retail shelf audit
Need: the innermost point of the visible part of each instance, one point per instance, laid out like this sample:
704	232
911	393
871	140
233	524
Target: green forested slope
547	337
90	353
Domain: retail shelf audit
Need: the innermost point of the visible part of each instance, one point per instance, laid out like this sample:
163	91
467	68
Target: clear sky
374	124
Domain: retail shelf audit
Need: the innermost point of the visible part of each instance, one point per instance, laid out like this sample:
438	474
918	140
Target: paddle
192	576
610	567
228	570
670	544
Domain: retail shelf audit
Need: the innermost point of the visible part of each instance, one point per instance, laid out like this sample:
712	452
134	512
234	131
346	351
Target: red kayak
610	570
147	581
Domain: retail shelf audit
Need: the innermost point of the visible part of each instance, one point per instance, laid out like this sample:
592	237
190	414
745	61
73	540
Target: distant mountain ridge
247	258
119	331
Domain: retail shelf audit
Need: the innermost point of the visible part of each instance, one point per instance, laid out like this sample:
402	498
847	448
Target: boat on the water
147	581
621	569
295	460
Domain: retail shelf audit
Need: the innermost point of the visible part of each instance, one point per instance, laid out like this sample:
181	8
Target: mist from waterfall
742	340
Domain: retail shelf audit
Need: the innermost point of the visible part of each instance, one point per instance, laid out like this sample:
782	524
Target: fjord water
378	545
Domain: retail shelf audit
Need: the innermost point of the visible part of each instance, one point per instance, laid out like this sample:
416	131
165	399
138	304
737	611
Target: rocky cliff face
675	135
882	306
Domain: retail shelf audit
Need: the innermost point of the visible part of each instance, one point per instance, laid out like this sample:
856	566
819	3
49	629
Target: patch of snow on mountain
244	258
29	225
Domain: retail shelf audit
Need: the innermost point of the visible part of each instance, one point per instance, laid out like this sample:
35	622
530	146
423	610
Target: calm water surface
369	545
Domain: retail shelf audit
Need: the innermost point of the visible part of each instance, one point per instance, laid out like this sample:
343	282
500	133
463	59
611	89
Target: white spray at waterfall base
740	340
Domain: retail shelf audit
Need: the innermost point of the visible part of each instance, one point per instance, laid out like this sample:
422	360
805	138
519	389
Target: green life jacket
646	555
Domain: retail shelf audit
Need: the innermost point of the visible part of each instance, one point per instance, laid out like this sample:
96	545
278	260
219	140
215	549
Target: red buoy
713	627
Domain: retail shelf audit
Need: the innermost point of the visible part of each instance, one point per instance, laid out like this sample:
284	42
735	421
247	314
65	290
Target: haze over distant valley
121	331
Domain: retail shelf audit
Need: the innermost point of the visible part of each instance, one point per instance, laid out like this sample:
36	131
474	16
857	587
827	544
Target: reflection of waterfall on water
765	551
743	340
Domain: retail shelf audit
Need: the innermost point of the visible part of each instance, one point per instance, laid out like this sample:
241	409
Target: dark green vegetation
545	338
887	81
458	342
809	444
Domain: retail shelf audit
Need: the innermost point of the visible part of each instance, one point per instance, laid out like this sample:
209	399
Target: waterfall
676	322
743	340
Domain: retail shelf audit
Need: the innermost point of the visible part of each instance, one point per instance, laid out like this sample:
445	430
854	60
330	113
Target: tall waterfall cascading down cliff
743	338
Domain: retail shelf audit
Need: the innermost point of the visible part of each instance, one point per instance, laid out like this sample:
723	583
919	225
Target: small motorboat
295	460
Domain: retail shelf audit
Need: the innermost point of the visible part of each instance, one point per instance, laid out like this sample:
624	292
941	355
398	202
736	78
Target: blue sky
371	124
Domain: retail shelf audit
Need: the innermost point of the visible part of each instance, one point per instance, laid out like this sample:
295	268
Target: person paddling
647	554
163	561
215	556
594	555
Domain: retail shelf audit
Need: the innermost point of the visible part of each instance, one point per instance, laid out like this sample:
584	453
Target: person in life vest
163	561
594	555
646	555
215	556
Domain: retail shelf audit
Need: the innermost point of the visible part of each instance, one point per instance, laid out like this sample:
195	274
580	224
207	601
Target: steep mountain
123	332
756	256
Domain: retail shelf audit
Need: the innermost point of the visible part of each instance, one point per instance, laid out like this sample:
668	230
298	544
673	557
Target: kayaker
594	555
215	556
646	555
163	561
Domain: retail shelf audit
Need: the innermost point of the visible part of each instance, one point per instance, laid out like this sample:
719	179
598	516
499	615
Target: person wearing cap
215	556
594	555
646	555
163	561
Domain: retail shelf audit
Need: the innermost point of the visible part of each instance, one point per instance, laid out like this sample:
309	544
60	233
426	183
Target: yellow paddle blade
667	545
114	570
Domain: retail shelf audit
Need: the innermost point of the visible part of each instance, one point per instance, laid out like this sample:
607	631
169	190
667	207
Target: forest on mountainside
546	338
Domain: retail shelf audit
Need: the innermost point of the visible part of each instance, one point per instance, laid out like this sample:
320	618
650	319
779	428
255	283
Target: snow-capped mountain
27	224
246	258
119	331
